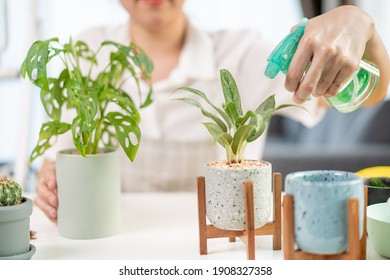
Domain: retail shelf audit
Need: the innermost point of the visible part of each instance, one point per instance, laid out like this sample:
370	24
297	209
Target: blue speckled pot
320	208
225	195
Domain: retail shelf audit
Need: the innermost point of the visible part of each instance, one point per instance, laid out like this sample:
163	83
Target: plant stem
91	67
98	132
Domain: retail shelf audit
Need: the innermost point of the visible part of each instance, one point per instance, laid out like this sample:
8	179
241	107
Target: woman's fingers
46	194
297	68
46	190
329	69
42	201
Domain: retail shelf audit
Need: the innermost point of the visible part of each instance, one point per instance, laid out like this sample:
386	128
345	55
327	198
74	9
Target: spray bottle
352	94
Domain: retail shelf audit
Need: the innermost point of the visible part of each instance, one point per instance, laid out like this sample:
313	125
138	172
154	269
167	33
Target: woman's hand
334	44
46	189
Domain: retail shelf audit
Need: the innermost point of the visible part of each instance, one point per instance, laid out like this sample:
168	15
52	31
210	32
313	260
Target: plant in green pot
88	175
15	212
233	129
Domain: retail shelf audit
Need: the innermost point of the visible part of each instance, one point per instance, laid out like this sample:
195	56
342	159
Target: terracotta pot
225	194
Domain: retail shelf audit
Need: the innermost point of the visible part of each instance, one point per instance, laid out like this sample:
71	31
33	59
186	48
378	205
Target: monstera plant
90	89
87	94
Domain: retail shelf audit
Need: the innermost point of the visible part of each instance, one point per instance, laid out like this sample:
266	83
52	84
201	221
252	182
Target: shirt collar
197	59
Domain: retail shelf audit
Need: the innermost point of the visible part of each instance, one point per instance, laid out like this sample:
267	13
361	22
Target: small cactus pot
225	202
89	192
15	231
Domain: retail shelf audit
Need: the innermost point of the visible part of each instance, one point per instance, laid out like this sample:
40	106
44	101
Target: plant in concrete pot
233	129
15	212
88	177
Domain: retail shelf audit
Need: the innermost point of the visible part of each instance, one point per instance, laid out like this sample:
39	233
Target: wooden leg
363	242
202	215
288	227
277	191
248	234
354	247
353	229
250	221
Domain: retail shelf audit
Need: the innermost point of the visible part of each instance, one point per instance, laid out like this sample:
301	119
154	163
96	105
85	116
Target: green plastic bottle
354	92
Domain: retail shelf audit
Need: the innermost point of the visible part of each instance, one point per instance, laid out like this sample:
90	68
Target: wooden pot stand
356	247
248	235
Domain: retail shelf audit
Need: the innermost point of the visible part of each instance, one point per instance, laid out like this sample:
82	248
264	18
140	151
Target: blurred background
341	141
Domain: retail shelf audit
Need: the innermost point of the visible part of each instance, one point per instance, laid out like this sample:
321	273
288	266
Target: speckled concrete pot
225	194
320	208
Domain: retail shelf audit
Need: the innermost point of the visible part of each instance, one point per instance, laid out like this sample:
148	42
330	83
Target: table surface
159	226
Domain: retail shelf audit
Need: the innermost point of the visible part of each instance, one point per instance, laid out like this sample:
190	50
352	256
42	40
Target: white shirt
175	146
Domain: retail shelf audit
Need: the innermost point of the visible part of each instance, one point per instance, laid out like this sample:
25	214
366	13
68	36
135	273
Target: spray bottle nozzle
280	58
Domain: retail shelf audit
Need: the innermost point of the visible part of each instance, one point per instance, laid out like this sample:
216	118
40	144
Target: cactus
10	192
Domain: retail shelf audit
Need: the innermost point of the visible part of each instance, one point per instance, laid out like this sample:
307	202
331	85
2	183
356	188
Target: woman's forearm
376	52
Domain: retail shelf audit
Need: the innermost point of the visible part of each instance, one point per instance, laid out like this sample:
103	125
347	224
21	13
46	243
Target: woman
174	145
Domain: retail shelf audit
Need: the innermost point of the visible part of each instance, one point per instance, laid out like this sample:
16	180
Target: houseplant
88	176
233	129
378	189
15	212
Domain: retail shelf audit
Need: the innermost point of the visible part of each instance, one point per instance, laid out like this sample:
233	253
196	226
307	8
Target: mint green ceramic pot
15	231
378	227
88	194
321	208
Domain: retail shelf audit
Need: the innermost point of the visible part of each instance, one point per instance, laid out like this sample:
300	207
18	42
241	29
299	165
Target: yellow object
375	171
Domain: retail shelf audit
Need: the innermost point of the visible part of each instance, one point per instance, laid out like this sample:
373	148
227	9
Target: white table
155	226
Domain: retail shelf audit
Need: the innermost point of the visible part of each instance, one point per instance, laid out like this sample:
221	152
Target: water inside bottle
357	90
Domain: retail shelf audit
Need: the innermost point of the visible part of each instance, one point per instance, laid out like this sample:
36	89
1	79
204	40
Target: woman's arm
376	52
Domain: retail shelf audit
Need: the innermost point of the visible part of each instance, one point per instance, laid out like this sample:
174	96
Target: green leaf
242	119
128	132
218	134
53	100
109	138
149	99
266	106
231	111
86	103
47	132
82	50
125	58
259	124
34	65
376	182
123	100
290	105
120	60
135	54
204	97
230	90
205	113
142	61
82	130
240	138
